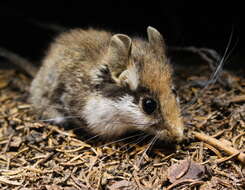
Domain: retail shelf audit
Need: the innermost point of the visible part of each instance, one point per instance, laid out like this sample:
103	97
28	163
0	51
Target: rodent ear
121	44
130	77
118	54
156	40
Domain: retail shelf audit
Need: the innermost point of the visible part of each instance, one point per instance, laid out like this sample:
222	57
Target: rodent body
109	83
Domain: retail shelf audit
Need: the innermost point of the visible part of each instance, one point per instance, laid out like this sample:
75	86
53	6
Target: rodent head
135	90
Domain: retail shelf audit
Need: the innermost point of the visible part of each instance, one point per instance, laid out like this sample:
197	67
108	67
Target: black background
201	24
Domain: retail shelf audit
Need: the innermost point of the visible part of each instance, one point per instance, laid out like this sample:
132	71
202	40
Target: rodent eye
149	105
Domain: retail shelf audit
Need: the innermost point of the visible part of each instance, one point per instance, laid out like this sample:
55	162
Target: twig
8	143
79	184
227	158
219	133
44	160
4	180
237	99
213	149
218	144
237	137
56	129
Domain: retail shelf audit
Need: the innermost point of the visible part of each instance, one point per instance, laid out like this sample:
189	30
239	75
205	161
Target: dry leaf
186	169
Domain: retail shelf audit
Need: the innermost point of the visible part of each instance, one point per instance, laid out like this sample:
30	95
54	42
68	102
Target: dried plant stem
218	144
237	99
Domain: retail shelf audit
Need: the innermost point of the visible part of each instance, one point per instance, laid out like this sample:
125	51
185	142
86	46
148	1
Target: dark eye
149	105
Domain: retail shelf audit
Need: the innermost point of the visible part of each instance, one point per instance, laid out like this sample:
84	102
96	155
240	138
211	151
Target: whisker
91	138
137	142
58	118
123	122
215	75
58	107
225	60
154	139
232	50
132	136
140	124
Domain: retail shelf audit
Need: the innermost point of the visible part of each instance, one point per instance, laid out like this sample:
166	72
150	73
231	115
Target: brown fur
71	71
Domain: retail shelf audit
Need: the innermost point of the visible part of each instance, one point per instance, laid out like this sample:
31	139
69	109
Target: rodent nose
178	134
172	136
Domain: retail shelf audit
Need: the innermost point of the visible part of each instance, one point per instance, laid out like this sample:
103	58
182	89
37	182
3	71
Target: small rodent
110	83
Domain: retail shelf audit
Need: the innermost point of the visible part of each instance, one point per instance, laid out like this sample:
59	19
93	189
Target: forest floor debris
38	155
